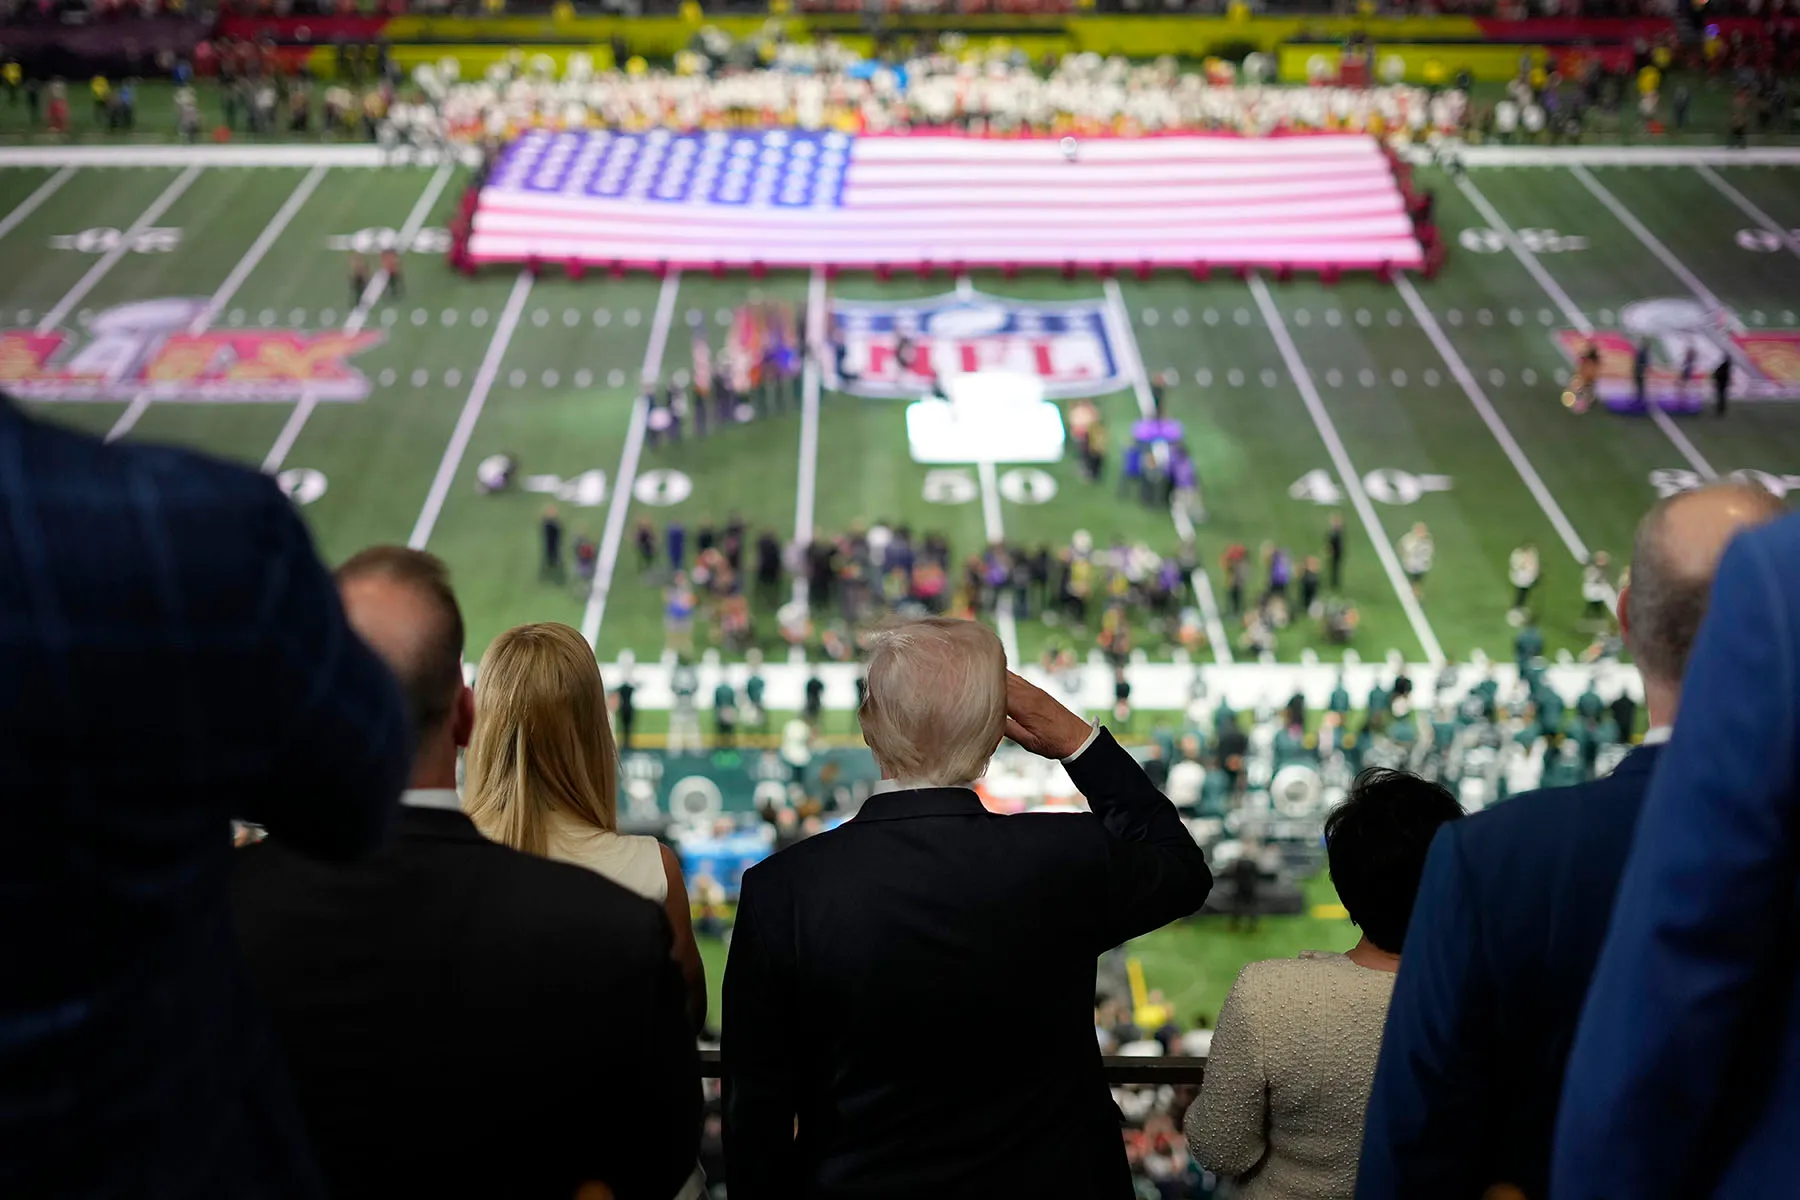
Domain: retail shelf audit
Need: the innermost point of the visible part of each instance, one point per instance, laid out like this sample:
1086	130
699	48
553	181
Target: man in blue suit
1685	1075
172	655
1512	910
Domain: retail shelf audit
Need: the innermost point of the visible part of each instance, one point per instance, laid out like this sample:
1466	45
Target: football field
192	300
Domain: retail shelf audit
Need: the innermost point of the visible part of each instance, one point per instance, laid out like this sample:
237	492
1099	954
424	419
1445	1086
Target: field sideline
1394	403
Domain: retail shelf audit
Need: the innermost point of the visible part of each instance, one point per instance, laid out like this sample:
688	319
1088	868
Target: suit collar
438	823
1640	761
445	799
922	802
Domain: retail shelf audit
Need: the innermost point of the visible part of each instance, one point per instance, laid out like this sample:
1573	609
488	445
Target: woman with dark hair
1294	1054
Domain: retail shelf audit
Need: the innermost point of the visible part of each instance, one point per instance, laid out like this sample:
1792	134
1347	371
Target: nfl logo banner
905	349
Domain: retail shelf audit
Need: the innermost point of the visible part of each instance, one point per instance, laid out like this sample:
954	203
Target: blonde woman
543	776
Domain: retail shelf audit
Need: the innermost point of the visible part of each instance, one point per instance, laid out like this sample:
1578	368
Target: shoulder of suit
178	471
1266	980
1544	815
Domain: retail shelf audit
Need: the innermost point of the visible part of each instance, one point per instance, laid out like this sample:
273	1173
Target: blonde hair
542	741
935	707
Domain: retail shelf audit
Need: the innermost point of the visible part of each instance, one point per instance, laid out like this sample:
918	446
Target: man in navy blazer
928	912
1513	907
1685	1075
172	655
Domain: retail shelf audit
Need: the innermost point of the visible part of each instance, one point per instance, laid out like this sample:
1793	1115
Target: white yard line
1744	206
1459	370
471	413
141	402
620	500
279	222
806	489
415	220
269	154
1688	450
1347	473
31	203
1126	338
110	259
128	419
290	433
1004	618
1651	242
1613	156
1575	317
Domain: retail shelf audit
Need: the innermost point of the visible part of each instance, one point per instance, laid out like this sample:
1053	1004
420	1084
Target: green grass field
547	369
565	357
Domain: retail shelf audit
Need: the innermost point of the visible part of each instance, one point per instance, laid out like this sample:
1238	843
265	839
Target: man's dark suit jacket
1507	927
172	654
917	988
461	1019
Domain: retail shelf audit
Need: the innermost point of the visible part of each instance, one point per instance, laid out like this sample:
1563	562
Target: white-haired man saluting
864	959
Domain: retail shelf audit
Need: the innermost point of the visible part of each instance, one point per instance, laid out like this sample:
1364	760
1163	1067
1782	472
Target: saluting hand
1039	723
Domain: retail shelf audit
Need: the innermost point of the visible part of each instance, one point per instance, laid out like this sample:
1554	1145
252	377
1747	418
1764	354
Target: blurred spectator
1513	909
1684	1077
451	983
939	909
543	776
172	655
1282	1105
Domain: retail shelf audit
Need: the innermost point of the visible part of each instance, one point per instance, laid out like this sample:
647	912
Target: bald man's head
399	601
1677	549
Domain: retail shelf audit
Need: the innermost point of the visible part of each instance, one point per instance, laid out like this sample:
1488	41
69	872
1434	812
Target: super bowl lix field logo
151	348
1685	335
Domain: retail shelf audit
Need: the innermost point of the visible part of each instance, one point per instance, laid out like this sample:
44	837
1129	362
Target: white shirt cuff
1093	733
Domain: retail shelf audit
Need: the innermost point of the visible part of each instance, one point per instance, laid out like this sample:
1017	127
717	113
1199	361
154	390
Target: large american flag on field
799	198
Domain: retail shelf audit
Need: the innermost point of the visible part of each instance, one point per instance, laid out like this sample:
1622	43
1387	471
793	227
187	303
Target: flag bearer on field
396	281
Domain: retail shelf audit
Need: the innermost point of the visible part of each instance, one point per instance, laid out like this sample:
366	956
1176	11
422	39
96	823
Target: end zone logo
1067	345
1765	362
145	349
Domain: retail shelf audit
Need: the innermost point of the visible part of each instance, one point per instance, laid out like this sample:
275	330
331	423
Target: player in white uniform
1523	570
1416	552
1596	590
